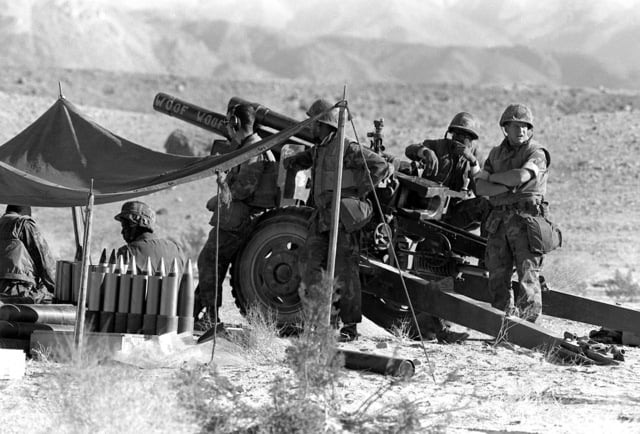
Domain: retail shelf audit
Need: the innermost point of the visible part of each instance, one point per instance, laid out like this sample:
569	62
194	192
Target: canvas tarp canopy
53	162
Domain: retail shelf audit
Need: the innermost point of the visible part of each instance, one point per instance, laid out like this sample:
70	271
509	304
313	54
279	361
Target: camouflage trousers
229	243
18	291
312	262
508	246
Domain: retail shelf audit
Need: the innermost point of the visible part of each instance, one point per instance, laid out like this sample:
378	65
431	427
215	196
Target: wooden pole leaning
335	208
78	334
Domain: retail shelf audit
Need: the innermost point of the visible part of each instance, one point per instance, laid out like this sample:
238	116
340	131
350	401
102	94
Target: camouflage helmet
137	213
517	113
320	106
465	123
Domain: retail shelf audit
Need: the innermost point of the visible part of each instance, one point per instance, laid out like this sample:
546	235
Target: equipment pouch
232	217
355	213
266	194
544	236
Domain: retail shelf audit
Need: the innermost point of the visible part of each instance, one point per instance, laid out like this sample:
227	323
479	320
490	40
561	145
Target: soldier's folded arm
486	188
512	178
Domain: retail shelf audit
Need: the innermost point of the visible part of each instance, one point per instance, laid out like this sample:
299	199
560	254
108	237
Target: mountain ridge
110	36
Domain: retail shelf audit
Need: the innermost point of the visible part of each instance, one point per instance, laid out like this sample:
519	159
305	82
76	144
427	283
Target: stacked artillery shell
186	300
138	293
168	313
39	313
18	321
152	306
110	300
95	290
23	330
124	297
113	261
76	275
62	291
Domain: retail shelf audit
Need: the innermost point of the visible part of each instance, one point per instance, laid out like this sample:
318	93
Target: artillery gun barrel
198	116
268	122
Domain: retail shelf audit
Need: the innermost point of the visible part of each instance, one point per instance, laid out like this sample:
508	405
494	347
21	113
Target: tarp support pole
75	212
335	209
78	334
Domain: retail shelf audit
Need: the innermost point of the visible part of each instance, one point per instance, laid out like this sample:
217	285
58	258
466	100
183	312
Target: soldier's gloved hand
464	150
430	161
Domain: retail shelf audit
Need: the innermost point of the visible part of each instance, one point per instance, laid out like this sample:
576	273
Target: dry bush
622	287
260	337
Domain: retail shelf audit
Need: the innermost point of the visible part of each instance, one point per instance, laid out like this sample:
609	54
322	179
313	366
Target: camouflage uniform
237	219
148	245
355	186
27	268
138	223
454	172
508	241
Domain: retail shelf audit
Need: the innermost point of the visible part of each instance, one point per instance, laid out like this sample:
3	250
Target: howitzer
435	267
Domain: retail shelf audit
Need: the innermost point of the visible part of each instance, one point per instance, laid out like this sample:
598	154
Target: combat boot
348	333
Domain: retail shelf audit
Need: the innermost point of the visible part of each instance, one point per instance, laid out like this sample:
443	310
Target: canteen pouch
544	236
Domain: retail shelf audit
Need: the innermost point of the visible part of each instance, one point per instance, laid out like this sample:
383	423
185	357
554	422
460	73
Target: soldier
138	221
454	162
355	211
515	179
245	192
26	265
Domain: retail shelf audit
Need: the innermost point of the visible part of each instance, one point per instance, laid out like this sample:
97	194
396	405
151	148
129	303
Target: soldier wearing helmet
454	161
138	226
355	210
451	161
243	194
514	178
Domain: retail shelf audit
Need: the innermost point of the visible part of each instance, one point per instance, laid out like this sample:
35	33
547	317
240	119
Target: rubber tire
264	274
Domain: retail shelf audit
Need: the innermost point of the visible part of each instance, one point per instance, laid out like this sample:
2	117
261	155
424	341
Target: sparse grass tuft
260	337
402	332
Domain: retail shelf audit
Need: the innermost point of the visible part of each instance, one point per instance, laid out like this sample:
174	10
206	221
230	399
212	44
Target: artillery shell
186	300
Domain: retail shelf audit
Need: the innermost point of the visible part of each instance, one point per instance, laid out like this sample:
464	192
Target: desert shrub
622	286
260	337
